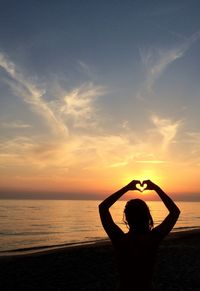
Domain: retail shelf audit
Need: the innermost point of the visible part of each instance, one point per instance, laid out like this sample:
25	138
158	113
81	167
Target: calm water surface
38	223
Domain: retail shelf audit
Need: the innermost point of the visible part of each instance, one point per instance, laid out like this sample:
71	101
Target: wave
28	233
185	228
50	247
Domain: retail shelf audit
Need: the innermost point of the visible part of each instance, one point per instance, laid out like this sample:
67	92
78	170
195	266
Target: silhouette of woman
136	250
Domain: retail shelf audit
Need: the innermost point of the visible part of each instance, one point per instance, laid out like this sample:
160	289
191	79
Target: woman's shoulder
157	235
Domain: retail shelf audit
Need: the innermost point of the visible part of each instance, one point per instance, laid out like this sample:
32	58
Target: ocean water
34	224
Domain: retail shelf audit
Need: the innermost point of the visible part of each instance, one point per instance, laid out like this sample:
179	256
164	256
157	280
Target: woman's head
138	216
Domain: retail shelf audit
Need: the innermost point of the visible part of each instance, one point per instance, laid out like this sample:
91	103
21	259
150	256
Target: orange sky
101	180
87	106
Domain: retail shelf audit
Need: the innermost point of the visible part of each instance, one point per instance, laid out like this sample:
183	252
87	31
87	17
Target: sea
32	225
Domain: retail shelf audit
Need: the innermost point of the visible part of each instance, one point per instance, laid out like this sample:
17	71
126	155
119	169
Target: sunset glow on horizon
94	96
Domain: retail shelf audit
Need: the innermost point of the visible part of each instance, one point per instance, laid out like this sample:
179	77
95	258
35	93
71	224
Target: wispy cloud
166	128
74	107
30	93
14	124
151	162
64	113
156	60
71	144
192	140
78	105
86	70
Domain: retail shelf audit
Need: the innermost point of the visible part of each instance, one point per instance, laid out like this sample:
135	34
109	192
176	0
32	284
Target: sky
94	94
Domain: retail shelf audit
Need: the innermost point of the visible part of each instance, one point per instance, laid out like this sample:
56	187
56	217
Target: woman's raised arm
113	231
168	223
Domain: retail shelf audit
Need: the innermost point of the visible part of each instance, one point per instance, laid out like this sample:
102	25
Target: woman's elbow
101	206
177	211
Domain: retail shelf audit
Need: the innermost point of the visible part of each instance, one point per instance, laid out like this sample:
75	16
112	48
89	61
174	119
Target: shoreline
92	267
52	248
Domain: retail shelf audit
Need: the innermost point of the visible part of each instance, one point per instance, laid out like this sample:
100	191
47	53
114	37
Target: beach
92	267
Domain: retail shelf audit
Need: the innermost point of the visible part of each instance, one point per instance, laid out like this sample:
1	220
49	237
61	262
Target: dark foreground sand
92	267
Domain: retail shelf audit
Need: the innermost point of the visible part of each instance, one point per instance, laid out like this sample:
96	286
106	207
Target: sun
148	174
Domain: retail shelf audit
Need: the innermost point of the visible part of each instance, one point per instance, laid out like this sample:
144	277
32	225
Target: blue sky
98	90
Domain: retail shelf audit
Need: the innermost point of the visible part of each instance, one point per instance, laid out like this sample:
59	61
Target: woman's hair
137	215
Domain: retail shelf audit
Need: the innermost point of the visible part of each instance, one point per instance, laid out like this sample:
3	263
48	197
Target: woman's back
136	254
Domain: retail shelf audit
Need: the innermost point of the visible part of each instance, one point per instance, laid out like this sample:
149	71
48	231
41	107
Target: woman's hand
150	185
132	185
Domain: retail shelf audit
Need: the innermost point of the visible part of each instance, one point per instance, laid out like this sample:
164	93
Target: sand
92	267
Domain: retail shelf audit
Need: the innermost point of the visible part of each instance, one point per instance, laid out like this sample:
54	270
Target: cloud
8	66
156	60
15	152
25	155
78	105
68	110
195	136
72	149
85	69
30	93
86	151
151	162
74	107
79	157
17	145
14	124
166	128
116	151
192	140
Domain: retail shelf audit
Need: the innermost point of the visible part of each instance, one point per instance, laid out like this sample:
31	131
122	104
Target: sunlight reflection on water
33	223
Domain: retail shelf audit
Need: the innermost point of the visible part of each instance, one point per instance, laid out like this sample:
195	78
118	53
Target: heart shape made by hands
141	187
